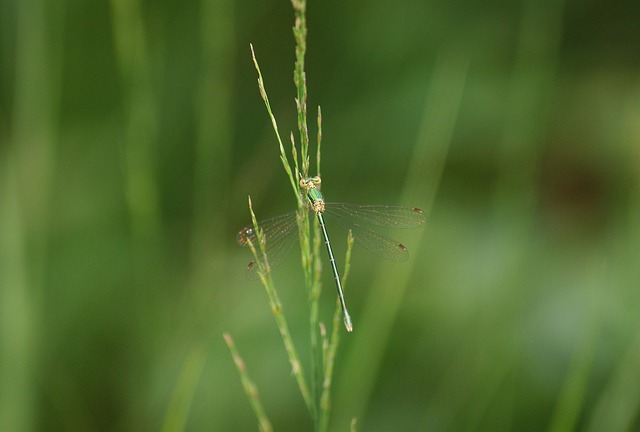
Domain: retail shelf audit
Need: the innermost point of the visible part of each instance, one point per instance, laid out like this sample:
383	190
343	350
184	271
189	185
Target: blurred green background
131	134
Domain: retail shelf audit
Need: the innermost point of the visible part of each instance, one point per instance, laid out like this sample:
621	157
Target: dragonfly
280	232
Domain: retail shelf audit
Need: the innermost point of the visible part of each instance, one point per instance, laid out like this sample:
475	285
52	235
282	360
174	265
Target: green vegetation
131	134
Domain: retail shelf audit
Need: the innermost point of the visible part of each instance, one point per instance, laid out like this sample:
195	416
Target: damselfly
280	233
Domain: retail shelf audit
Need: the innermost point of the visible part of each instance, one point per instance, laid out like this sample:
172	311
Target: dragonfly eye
309	183
306	184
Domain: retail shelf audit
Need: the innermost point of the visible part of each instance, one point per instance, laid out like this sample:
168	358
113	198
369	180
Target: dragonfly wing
272	228
378	244
277	250
279	233
378	215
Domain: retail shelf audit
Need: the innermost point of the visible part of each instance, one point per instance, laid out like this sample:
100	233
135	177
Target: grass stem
178	411
281	321
283	155
322	354
264	425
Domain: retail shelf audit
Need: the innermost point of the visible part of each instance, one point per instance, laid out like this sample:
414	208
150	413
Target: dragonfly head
309	183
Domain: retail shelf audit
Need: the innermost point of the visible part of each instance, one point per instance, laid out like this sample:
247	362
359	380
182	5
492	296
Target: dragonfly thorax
317	205
313	194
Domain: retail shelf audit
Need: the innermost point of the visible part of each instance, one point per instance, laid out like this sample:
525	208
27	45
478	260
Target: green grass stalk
264	425
30	119
319	142
178	411
573	395
312	278
306	257
140	159
300	79
276	308
322	354
617	405
354	422
283	155
213	135
18	341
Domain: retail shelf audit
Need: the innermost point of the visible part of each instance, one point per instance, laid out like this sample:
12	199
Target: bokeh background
132	132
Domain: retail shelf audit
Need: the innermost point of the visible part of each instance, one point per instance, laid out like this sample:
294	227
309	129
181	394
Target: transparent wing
378	215
352	217
280	233
378	244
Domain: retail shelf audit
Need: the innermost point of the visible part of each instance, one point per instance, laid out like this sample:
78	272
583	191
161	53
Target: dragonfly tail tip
348	324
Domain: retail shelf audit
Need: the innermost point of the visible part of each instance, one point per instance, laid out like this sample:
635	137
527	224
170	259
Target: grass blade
178	411
264	425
